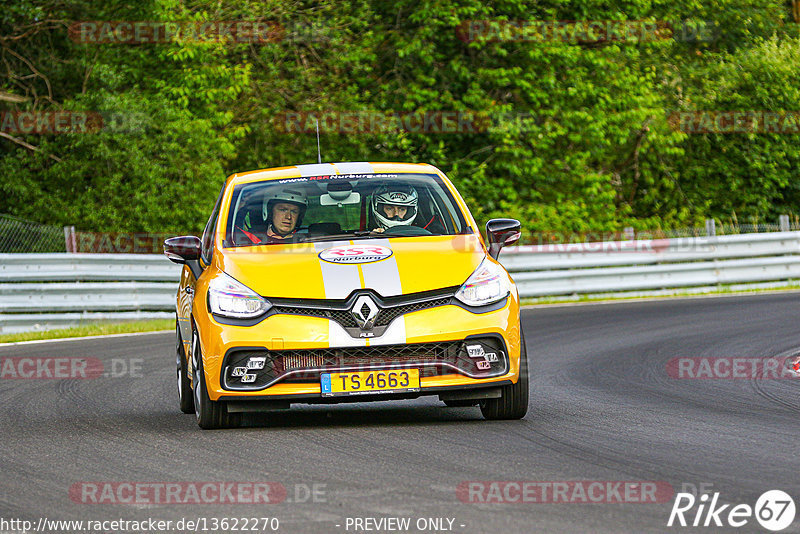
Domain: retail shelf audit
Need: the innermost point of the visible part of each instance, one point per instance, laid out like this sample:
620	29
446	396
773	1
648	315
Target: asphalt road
603	408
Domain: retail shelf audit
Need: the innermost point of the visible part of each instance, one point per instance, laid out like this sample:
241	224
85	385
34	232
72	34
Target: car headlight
488	284
230	298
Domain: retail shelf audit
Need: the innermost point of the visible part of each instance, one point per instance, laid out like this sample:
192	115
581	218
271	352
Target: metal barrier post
69	239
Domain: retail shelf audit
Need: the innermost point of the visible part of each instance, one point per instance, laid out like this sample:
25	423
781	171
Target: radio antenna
319	153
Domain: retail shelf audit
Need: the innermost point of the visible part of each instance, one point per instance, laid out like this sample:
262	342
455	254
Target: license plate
359	382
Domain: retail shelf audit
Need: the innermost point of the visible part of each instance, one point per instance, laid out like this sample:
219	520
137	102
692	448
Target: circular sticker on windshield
355	254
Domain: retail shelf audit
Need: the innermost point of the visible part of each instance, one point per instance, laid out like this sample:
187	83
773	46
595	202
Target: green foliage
576	136
750	174
155	169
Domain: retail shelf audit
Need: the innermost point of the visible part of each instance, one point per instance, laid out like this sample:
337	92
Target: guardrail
40	291
45	291
620	266
87	268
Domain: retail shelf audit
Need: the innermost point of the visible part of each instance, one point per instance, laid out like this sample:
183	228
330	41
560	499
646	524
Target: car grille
343	316
303	361
387	315
305	365
375	355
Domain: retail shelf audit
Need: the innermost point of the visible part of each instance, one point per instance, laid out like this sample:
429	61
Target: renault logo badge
364	311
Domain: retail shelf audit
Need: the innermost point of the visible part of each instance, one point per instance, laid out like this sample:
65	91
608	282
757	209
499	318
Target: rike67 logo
774	510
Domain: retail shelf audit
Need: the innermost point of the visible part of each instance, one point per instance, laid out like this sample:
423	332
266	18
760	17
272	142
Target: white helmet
405	197
292	196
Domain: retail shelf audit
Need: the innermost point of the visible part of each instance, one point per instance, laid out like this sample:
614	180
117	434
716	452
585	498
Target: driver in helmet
394	206
283	212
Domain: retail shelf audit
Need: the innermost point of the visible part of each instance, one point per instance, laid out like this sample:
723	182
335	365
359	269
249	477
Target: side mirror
500	233
182	249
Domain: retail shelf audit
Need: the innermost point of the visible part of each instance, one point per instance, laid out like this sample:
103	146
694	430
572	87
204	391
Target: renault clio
343	282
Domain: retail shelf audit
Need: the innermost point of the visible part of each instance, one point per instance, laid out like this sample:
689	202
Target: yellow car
345	282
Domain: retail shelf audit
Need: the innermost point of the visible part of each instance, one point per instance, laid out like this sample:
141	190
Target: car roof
322	169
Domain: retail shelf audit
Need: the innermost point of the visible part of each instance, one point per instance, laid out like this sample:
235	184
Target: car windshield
345	206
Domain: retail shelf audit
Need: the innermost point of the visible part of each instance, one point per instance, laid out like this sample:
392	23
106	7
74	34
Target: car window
342	206
208	233
347	216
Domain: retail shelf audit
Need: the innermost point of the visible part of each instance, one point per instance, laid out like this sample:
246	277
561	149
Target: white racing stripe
316	169
382	276
394	335
338	337
338	279
321	169
357	167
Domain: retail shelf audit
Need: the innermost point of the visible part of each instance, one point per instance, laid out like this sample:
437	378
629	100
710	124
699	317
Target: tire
185	393
210	414
513	402
460	403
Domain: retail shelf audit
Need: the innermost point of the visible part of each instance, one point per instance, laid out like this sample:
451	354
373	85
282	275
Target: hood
389	266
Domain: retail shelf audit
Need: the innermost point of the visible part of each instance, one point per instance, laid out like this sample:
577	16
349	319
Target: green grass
92	329
723	290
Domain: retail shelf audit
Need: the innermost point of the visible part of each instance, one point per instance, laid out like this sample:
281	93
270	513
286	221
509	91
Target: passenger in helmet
283	212
394	206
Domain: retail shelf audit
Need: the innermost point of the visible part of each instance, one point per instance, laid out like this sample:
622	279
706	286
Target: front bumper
296	349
